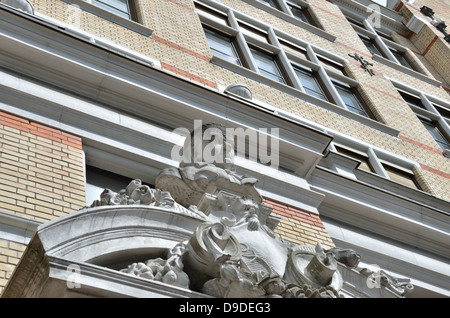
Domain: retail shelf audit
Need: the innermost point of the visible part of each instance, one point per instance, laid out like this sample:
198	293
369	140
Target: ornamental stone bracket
202	232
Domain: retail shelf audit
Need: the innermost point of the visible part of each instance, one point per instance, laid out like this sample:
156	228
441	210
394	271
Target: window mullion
442	123
242	43
284	61
284	7
376	163
383	47
325	78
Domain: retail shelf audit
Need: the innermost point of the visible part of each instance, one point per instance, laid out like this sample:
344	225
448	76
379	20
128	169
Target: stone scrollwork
137	193
233	252
169	271
398	286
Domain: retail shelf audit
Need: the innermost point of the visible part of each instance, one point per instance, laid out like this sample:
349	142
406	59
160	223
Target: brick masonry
41	177
298	226
182	48
41	169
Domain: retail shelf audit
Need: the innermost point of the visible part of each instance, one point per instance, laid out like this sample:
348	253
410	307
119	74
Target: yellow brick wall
299	227
182	48
430	41
41	170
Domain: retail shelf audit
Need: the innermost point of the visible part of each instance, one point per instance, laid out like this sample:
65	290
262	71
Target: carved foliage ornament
233	252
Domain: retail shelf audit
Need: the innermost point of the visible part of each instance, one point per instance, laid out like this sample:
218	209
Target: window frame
428	109
379	162
383	42
232	41
360	106
131	10
325	74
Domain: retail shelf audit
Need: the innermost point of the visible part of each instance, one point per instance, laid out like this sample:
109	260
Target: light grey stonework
216	241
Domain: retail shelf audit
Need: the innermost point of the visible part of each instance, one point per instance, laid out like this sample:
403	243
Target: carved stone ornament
233	252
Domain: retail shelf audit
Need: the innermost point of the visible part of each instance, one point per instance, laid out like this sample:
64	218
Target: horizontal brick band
39	130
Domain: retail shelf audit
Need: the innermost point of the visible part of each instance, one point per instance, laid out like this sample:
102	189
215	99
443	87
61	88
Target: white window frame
286	59
376	156
110	16
284	13
430	110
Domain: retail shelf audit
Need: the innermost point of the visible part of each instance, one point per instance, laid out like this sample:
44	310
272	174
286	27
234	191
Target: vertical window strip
351	100
434	131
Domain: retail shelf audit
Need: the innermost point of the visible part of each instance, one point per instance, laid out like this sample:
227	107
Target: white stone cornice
128	107
382	212
426	271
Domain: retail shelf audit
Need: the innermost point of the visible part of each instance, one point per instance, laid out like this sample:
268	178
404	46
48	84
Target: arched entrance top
100	234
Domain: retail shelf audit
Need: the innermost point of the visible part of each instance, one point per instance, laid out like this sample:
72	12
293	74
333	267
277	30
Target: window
98	180
401	176
400	56
435	132
369	43
222	46
380	43
411	100
310	83
431	112
295	8
300	13
378	163
365	163
267	65
351	99
271	3
445	113
122	8
273	57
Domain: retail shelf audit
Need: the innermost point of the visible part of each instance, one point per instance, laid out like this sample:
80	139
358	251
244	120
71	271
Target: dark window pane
222	46
443	111
310	83
119	7
412	100
299	13
364	165
267	65
401	176
350	99
98	180
400	58
435	133
271	3
368	42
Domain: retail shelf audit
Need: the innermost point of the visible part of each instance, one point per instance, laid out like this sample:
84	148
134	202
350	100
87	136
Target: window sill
406	70
303	96
129	24
288	18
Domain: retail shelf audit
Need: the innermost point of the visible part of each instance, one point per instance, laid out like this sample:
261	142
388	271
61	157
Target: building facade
349	97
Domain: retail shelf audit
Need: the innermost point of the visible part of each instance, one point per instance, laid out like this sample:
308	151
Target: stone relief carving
169	271
234	253
137	193
398	286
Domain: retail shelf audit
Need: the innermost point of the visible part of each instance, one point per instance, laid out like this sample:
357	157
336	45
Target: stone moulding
216	242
